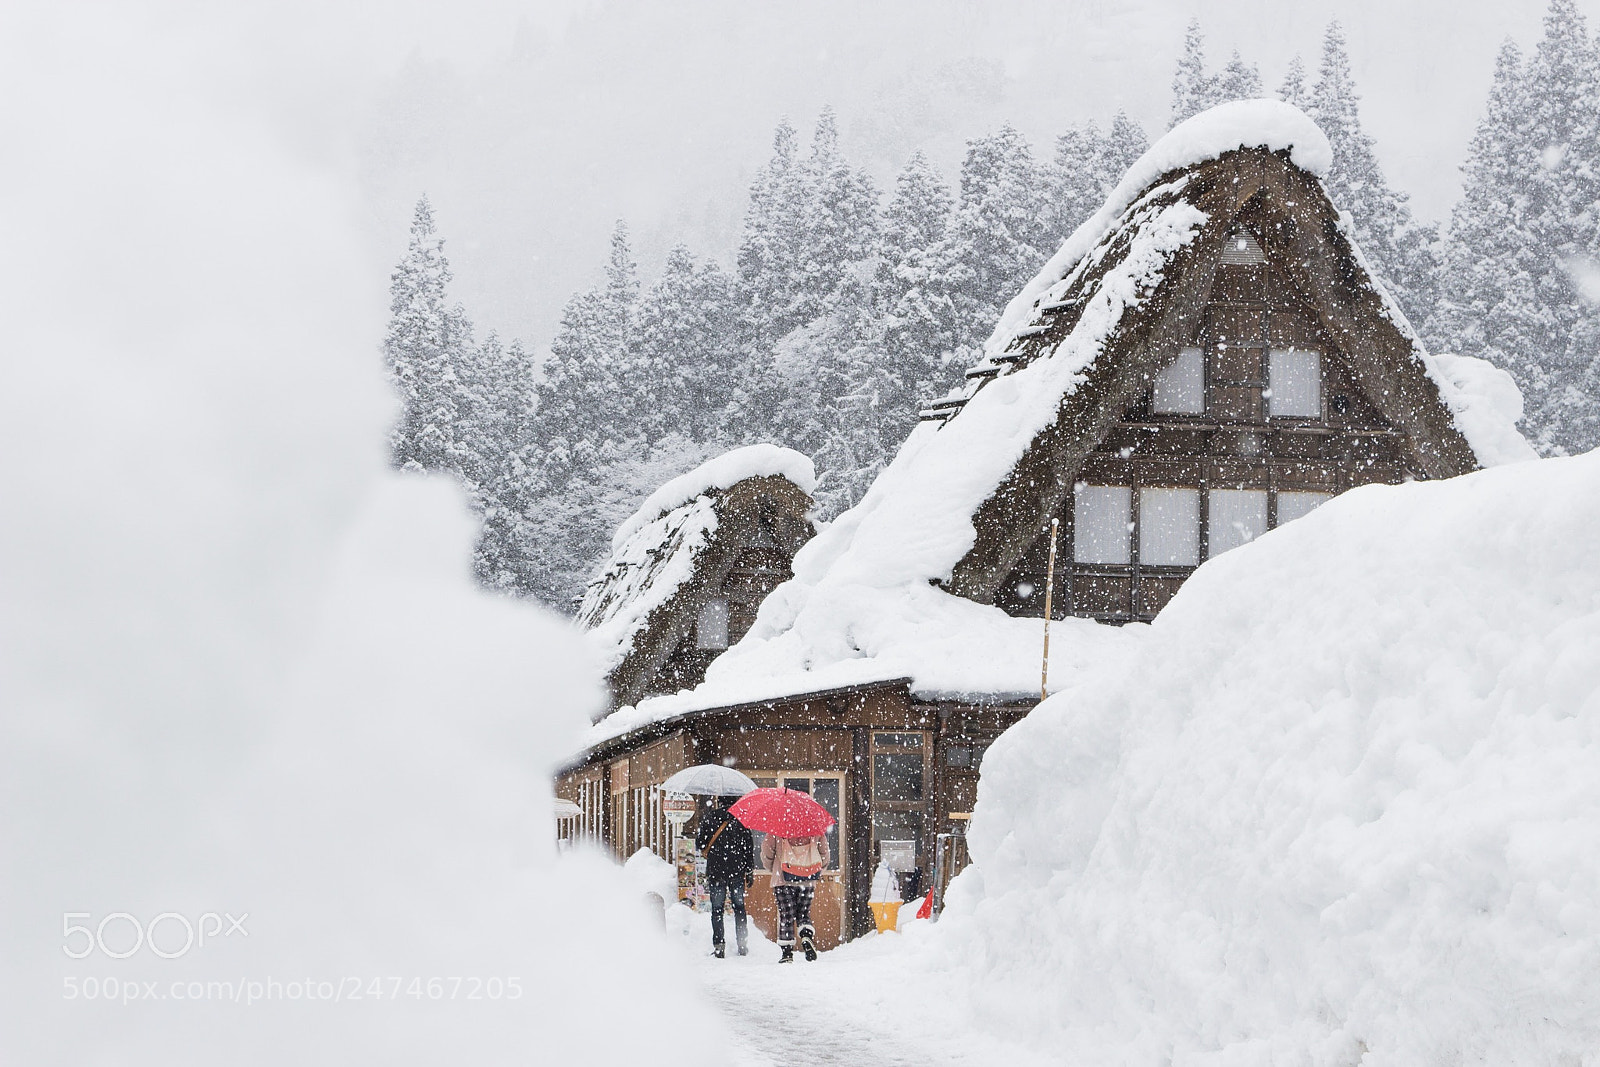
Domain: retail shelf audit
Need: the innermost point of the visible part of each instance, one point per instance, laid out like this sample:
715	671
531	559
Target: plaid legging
794	908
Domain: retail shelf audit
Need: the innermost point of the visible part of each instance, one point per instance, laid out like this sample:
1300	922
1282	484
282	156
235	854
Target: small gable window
1237	517
711	628
1180	387
1101	517
1169	527
1293	505
1242	249
1294	376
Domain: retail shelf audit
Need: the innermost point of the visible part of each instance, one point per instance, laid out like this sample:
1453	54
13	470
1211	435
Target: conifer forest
847	305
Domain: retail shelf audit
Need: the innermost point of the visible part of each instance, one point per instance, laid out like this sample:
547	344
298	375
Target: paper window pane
1295	377
1169	527
1293	505
711	628
1180	387
1238	516
1100	518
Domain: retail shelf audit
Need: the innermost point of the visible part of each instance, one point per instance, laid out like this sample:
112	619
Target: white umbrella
709	780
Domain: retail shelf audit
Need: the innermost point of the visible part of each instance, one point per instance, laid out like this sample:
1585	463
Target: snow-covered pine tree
427	343
1487	306
1401	251
507	459
999	236
918	318
1125	143
1238	81
1073	172
770	251
1525	221
1192	88
1088	165
1562	123
687	348
1293	89
840	220
791	372
592	390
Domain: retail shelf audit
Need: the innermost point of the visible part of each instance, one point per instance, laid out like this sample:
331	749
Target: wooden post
1049	588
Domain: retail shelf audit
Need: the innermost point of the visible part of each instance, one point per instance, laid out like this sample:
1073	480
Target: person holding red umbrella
795	853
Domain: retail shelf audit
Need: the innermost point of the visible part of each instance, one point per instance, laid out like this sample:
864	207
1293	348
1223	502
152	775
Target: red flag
926	911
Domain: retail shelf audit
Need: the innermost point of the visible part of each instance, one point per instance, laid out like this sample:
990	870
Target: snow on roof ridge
720	472
1212	133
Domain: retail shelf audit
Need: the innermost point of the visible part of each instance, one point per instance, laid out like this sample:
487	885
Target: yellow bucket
886	914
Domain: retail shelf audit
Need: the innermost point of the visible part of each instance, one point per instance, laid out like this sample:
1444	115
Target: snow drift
1338	804
244	666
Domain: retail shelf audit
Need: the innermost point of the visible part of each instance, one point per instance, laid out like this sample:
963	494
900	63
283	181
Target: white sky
533	126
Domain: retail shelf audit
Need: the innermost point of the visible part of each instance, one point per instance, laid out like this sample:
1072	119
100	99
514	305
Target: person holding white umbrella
727	844
730	870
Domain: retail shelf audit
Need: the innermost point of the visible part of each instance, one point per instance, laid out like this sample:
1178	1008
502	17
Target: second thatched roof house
689	569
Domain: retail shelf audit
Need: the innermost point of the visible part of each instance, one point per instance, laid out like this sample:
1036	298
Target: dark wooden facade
888	766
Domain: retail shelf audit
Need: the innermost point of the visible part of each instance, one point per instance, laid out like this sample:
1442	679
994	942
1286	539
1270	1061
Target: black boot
808	942
716	950
788	954
744	949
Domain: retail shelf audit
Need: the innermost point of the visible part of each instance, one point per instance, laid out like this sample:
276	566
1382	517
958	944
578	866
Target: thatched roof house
689	569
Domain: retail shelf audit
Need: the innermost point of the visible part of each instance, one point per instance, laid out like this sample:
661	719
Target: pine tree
1527	218
507	458
1489	256
1192	88
918	327
770	272
687	348
840	218
426	344
1088	166
1238	81
1293	89
999	236
1401	253
593	390
1562	123
1194	91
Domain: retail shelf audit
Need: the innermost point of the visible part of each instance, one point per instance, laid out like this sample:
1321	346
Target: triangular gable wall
1298	230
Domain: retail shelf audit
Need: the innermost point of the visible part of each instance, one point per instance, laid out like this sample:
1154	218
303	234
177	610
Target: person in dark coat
730	862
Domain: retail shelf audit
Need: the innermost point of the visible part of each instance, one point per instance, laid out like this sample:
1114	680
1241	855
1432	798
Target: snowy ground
859	1004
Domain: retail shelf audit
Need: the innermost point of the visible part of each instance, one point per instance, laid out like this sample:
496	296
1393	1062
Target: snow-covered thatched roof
661	553
872	597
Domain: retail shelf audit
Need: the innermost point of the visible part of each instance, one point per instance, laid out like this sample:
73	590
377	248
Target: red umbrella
785	812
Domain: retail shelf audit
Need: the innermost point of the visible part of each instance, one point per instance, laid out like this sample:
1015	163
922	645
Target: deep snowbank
1338	804
244	667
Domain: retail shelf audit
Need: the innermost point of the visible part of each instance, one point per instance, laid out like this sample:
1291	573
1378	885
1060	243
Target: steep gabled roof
676	550
1126	307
